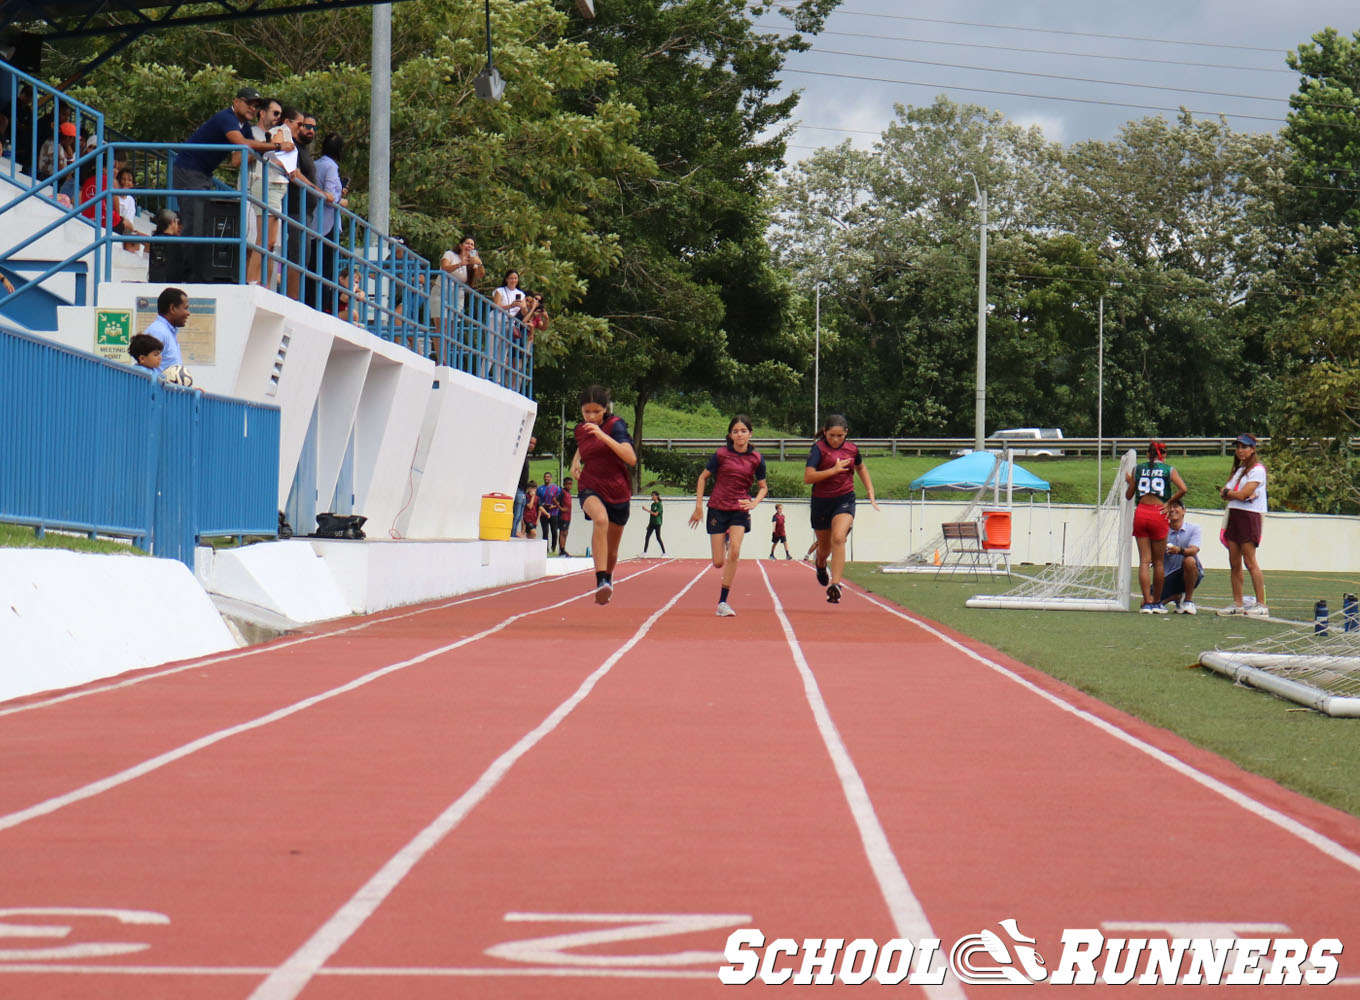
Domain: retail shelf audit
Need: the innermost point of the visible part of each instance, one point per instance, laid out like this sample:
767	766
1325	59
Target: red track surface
495	770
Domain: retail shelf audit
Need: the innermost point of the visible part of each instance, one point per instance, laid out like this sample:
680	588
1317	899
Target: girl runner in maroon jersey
604	454
831	467
734	467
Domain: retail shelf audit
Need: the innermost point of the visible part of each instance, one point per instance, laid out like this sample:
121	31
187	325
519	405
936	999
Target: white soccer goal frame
1072	586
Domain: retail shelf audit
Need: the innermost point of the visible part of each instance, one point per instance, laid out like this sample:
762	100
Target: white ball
179	375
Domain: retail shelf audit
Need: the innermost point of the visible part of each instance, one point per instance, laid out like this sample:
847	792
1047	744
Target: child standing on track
779	534
655	513
604	454
567	487
831	467
735	466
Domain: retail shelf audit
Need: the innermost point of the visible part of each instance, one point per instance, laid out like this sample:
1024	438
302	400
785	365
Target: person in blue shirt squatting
734	468
831	467
604	456
172	312
1183	571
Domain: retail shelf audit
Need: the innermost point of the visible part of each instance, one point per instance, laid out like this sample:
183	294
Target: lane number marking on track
61	931
555	949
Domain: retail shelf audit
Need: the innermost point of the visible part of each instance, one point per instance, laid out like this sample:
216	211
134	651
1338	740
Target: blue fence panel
103	448
238	490
75	447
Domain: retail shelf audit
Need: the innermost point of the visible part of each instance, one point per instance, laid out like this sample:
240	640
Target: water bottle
1350	612
1320	618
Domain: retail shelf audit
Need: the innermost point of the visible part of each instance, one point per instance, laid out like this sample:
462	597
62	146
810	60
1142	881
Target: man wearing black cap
194	168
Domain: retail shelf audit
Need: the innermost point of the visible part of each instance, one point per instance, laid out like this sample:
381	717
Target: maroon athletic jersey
603	473
733	473
822	457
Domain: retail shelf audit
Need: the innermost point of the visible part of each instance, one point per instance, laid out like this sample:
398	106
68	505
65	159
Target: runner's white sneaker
1157	609
604	592
1231	609
1258	611
1187	608
725	610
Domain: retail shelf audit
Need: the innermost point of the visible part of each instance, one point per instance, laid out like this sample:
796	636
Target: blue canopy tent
970	473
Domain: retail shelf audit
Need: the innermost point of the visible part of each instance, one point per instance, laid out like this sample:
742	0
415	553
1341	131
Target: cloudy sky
1076	68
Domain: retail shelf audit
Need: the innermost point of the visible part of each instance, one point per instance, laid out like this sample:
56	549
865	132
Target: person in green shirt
655	513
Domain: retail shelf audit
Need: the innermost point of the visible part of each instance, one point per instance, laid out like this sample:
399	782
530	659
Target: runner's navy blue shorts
825	508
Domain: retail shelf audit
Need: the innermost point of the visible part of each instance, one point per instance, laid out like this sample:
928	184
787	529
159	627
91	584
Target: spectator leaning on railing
172	312
194	168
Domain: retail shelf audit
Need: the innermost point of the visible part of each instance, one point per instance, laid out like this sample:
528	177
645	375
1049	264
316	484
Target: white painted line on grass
179	753
1326	845
908	916
292	977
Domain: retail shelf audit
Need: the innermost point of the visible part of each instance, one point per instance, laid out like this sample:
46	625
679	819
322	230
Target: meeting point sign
1117	955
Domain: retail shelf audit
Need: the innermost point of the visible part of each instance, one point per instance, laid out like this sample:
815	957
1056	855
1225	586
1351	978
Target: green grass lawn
1147	665
15	536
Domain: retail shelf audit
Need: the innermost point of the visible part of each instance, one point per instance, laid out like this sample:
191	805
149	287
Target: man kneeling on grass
1183	571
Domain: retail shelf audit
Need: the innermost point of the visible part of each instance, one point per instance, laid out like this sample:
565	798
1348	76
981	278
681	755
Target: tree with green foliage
1321	129
1312	463
521	175
694	302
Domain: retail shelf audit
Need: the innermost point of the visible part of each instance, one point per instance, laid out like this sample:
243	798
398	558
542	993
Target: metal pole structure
817	368
380	115
980	410
562	443
1100	401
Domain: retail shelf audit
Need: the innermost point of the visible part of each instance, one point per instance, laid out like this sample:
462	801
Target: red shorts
1150	522
1243	526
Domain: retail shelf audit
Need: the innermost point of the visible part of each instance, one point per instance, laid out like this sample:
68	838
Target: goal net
1317	669
927	554
1095	574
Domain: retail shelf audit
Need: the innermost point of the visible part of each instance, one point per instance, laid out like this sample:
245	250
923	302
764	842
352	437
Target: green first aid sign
112	332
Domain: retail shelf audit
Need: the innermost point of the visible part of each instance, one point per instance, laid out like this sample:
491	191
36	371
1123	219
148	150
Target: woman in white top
509	299
1245	492
278	167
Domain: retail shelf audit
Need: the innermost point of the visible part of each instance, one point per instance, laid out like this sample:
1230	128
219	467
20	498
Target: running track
521	794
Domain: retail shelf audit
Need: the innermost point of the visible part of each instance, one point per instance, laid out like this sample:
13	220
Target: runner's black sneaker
823	577
833	593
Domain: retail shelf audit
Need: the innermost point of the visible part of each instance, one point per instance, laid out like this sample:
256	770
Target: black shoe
833	594
823	577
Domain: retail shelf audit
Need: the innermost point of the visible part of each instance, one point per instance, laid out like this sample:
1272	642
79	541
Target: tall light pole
980	404
380	104
817	365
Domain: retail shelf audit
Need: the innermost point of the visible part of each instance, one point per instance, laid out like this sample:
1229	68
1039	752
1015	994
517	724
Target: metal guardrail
797	448
108	449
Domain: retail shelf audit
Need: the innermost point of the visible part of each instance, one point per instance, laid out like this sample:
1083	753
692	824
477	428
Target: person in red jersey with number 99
831	467
604	456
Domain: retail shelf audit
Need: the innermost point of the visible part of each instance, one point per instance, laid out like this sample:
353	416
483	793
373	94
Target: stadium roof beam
130	19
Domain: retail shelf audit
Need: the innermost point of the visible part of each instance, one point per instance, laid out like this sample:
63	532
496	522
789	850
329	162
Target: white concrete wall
427	442
1039	533
67	618
310	580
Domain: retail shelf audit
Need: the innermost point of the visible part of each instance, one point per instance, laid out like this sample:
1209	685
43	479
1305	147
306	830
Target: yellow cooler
498	512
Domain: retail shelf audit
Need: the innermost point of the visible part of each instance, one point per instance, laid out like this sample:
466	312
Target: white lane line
256	650
908	916
292	977
1326	845
179	753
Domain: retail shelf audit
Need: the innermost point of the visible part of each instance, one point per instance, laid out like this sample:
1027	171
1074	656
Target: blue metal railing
108	449
351	269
